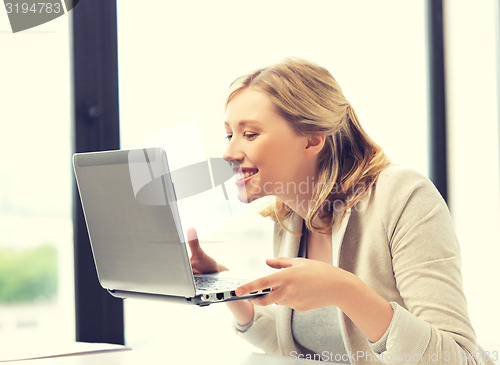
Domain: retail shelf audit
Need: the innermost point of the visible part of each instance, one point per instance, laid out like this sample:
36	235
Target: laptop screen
133	222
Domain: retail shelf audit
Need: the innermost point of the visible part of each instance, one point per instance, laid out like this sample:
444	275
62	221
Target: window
36	238
176	64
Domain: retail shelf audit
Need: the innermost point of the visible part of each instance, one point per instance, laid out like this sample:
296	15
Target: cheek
279	150
271	159
285	155
279	167
276	158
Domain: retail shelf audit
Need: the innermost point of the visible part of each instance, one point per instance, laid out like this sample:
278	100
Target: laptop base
199	300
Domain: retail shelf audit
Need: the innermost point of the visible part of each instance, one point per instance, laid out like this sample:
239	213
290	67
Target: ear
315	144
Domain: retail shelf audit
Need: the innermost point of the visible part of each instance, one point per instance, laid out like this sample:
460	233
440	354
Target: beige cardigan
400	241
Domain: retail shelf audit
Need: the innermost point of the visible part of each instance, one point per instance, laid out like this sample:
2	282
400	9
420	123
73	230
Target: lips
245	174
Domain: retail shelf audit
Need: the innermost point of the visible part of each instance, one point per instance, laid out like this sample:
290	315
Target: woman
370	262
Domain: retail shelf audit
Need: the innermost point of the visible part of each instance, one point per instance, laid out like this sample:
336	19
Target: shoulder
403	193
397	175
400	183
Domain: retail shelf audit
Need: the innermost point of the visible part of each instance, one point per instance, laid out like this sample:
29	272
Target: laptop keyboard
210	283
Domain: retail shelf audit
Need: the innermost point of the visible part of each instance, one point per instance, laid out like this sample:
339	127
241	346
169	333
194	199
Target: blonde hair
311	100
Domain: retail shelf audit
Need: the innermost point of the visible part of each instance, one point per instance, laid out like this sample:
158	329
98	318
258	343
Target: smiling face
272	158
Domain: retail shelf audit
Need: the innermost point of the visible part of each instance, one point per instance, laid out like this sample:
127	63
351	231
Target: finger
273	297
281	263
221	267
194	243
266	282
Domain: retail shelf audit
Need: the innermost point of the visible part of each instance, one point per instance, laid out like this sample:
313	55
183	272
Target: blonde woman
370	265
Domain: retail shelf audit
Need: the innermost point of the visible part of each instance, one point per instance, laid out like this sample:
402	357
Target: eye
250	135
229	136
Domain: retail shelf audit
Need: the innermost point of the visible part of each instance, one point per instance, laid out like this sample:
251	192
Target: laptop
130	207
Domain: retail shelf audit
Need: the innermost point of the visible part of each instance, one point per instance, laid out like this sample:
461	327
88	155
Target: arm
242	310
371	313
427	269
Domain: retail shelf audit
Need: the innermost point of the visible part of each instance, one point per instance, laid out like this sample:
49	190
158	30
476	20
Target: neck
298	203
299	196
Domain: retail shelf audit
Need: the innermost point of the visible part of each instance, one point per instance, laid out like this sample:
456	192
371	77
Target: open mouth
244	175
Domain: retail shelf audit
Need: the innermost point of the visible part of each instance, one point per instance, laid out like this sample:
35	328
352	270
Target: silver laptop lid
134	227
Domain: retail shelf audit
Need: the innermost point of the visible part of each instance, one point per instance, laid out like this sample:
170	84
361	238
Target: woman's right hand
201	263
204	264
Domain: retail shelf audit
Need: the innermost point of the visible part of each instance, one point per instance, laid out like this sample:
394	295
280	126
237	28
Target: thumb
194	243
280	263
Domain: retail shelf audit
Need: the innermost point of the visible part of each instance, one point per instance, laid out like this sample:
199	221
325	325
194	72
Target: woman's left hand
303	284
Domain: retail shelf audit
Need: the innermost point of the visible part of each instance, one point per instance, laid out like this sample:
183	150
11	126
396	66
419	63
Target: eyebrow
243	123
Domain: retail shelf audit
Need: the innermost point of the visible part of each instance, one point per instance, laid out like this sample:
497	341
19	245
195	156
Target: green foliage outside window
28	275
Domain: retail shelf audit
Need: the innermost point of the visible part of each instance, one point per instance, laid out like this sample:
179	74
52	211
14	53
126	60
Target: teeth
242	176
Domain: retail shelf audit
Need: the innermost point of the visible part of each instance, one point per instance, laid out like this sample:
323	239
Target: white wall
472	95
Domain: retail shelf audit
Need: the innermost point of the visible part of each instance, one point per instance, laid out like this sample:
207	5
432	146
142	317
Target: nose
233	155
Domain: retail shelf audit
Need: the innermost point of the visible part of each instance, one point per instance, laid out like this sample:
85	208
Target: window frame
98	315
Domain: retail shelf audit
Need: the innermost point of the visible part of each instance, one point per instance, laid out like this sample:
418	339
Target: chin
244	197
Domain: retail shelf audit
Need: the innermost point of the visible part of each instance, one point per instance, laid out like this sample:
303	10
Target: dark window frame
98	315
437	97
